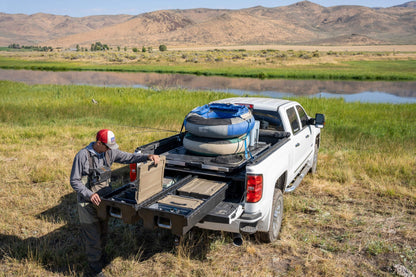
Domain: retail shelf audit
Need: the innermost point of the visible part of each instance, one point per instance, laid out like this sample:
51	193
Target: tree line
31	47
97	46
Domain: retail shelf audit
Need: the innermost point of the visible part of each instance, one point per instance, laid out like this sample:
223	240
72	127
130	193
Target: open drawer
120	204
182	208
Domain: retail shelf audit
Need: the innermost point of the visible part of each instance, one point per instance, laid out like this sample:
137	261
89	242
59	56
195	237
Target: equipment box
149	179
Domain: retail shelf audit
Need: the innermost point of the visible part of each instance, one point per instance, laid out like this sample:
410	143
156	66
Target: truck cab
283	168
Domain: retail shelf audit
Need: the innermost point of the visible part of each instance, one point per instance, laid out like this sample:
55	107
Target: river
351	91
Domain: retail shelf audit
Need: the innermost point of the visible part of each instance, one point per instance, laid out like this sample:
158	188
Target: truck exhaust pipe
237	239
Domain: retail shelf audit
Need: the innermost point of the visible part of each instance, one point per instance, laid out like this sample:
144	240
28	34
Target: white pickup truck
249	188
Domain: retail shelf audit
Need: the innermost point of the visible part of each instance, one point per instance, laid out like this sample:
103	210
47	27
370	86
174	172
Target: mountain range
303	23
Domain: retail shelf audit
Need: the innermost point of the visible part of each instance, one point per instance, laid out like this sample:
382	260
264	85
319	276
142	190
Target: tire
275	219
315	160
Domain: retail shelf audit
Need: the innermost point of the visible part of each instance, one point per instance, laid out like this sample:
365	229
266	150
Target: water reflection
376	92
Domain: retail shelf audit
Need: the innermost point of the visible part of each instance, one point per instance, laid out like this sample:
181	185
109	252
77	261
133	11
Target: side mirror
319	120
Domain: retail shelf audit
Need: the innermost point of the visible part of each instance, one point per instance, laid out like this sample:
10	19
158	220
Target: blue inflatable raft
220	121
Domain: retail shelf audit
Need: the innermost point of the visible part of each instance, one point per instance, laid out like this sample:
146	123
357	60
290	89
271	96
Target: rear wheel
275	221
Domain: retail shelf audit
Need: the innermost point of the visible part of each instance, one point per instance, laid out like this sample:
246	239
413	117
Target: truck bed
178	156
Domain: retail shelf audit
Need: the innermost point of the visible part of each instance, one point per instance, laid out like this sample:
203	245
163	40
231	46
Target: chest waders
99	178
94	229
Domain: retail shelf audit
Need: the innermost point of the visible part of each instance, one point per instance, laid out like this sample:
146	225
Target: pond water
351	91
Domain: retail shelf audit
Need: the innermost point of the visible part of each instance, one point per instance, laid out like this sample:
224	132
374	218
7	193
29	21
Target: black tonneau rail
178	157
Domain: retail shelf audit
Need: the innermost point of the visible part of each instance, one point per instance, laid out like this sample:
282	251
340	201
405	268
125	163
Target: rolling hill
300	23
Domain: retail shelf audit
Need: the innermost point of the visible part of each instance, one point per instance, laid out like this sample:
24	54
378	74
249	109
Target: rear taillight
133	172
254	188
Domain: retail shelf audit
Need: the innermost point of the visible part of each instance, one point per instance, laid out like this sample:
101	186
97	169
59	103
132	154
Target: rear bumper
245	223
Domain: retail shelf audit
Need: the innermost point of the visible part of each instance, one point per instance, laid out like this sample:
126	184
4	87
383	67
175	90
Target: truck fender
280	184
274	219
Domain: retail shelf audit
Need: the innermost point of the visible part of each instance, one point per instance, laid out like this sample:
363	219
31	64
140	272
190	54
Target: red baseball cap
107	137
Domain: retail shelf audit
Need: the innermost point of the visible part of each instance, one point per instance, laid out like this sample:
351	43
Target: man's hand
154	158
95	199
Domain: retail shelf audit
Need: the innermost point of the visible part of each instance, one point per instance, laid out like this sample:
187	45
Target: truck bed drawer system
178	208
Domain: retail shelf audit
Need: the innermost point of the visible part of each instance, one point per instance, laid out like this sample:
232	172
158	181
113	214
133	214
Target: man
90	181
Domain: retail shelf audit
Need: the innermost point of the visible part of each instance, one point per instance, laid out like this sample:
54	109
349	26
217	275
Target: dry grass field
356	217
310	48
247	55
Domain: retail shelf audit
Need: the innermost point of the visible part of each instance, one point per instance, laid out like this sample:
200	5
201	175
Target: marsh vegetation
267	63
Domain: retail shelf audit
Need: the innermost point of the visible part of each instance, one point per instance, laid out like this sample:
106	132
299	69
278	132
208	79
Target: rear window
268	120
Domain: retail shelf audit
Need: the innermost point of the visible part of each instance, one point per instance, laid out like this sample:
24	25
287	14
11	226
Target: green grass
367	141
54	104
355	217
351	124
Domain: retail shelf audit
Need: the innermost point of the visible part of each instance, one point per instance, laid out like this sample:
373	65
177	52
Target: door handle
307	136
297	144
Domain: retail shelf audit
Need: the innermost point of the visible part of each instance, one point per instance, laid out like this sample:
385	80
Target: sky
80	8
